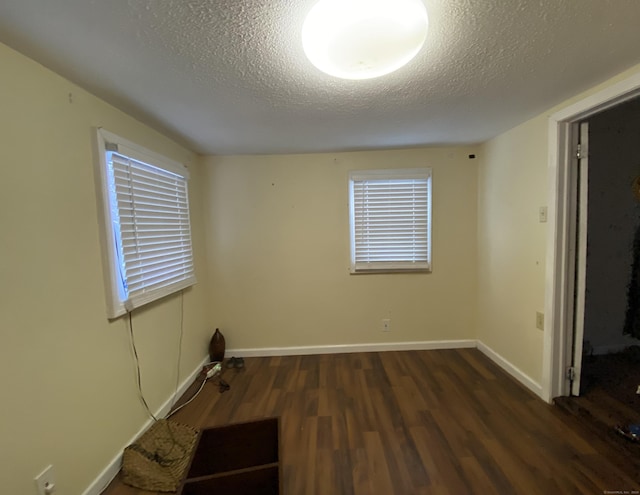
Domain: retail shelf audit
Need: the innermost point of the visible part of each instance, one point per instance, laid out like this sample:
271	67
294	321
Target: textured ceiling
230	76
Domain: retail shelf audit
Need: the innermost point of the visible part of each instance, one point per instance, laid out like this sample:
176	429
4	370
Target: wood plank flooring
446	422
608	399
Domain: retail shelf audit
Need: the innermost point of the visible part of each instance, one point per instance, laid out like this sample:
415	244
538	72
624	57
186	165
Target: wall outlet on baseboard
539	320
386	325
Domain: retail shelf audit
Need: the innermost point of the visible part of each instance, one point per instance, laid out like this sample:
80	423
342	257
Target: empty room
360	247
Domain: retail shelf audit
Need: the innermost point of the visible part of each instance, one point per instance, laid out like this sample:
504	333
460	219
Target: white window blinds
148	227
390	220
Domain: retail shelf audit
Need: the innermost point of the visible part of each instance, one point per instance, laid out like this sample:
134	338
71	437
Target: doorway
560	295
595	217
606	345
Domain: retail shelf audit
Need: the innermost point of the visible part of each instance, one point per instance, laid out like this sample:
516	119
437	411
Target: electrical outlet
386	325
539	320
46	482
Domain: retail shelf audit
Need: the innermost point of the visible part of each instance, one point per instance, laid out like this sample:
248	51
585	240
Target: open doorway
606	339
610	344
560	294
596	304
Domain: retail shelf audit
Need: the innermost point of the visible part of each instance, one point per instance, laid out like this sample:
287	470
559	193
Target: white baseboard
112	469
514	371
347	348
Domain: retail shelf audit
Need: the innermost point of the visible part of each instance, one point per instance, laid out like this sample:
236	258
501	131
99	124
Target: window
390	220
146	229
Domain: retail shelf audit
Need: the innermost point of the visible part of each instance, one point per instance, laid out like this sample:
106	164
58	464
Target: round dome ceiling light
363	39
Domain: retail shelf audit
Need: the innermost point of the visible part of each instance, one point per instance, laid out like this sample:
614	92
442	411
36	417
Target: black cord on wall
137	363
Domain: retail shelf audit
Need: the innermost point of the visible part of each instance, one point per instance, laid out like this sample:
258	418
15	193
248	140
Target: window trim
390	174
104	142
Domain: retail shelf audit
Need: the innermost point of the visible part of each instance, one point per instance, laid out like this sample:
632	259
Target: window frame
424	173
104	143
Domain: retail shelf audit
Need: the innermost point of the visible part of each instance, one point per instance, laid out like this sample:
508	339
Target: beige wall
278	247
69	394
511	245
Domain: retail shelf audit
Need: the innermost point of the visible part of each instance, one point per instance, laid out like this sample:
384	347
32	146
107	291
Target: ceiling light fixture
363	39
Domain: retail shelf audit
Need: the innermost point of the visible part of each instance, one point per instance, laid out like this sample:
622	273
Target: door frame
578	239
561	241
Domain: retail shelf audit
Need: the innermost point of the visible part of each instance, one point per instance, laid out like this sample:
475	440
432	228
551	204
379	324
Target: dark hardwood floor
608	400
447	422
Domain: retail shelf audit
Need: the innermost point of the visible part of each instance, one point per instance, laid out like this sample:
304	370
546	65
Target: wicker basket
158	460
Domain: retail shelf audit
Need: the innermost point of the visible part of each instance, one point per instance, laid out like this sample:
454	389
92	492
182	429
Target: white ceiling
230	76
